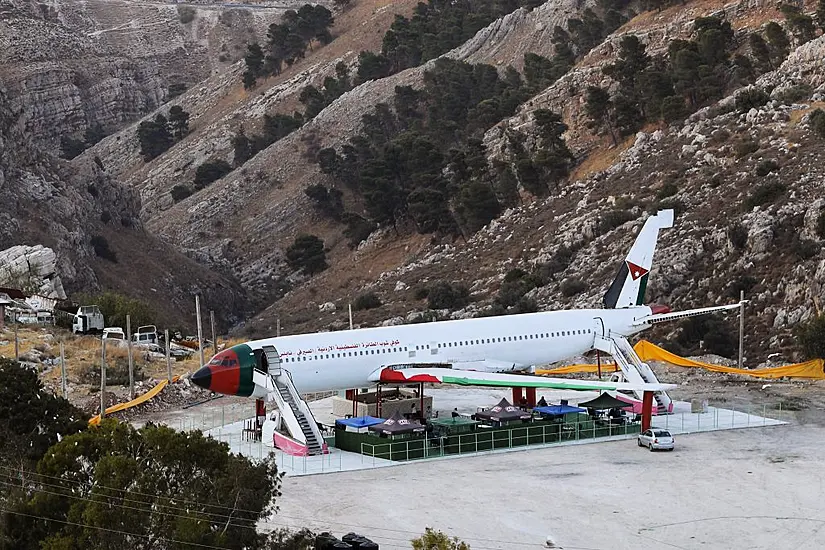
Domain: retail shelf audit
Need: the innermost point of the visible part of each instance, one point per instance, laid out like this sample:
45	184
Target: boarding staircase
633	368
296	417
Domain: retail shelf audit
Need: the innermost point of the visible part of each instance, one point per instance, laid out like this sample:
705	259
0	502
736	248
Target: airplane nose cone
202	378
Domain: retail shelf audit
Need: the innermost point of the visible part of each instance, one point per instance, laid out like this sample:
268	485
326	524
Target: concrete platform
467	401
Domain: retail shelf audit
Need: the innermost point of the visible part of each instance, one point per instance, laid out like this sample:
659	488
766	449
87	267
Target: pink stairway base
292	447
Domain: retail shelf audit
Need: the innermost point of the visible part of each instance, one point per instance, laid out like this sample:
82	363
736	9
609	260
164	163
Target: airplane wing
664	317
440	375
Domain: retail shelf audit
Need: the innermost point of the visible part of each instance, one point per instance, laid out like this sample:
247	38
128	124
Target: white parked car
655	439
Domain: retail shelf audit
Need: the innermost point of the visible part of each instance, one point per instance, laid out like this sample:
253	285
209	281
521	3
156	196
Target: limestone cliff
73	64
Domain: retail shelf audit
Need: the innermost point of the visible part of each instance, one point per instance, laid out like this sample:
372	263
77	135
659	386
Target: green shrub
421	292
445	295
751	98
115	307
795	94
805	249
572	287
369	300
766	166
180	192
810	337
102	250
764	194
307	253
186	14
745	148
738	236
210	171
668	190
612	219
820	225
817	122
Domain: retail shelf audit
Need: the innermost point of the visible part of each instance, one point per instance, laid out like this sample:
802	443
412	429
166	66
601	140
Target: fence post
63	371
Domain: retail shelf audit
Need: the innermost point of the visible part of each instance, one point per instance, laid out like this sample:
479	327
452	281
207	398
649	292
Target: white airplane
487	351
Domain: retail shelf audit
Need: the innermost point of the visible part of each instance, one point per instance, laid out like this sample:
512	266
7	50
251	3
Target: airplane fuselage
345	359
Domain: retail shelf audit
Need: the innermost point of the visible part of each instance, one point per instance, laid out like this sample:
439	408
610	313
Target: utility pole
200	329
278	326
131	360
741	328
16	341
63	371
349	306
168	359
102	378
214	339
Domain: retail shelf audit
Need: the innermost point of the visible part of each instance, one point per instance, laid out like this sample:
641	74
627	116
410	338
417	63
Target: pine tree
761	53
307	253
599	109
154	137
820	14
778	42
254	59
178	121
243	147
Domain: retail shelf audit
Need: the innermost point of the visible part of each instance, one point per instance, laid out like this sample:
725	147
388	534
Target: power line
199	545
224	517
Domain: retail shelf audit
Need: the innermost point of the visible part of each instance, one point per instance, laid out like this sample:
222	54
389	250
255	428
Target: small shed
5	300
503	412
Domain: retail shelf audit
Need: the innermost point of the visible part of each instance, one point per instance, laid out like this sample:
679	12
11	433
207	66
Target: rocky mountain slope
745	184
92	225
702	261
70	65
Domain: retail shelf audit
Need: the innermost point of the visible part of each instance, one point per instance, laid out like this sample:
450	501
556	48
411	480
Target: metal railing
489	440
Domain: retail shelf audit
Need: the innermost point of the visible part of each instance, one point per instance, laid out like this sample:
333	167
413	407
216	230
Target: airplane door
599	330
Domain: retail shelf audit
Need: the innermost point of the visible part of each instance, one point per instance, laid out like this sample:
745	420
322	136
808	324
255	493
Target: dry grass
83	353
601	158
797	116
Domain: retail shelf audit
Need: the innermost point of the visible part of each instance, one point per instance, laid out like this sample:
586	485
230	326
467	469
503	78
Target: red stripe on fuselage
390	375
225	379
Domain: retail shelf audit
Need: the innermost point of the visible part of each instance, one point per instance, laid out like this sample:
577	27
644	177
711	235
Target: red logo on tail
636	271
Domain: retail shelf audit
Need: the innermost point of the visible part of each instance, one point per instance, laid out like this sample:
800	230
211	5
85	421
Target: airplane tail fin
628	288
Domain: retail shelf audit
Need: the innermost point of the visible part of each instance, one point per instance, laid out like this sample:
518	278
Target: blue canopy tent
357	424
558	410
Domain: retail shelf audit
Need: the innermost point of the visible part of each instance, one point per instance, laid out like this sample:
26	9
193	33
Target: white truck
147	335
87	320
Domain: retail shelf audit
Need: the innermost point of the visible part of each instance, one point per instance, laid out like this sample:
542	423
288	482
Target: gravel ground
744	489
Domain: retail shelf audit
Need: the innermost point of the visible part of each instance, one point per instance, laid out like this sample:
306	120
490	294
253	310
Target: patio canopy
397	424
558	410
604	401
359	421
503	412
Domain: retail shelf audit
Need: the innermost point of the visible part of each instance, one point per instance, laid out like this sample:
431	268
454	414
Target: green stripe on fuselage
247	362
528	383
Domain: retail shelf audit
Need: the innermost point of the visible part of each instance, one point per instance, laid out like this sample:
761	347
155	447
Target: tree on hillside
761	52
599	109
210	171
178	122
801	25
31	418
778	42
810	336
154	137
114	486
820	14
307	253
115	307
243	147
